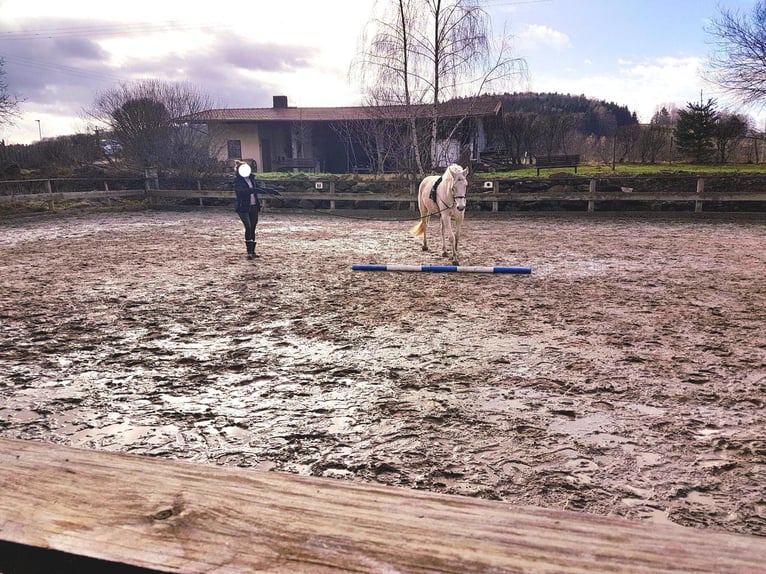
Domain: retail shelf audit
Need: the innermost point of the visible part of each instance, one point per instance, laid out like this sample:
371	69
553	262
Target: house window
234	148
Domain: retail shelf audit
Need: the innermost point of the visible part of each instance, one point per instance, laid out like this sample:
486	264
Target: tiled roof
469	107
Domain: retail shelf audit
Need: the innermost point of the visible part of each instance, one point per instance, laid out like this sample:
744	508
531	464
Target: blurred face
244	170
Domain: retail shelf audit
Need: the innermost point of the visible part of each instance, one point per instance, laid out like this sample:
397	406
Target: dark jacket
245	192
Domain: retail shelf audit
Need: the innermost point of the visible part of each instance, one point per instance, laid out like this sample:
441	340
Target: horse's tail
419	228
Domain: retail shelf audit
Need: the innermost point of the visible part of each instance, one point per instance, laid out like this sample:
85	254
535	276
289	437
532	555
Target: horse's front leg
456	244
446	228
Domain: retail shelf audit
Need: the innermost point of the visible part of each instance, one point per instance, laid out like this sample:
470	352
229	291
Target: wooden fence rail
494	200
173	516
328	198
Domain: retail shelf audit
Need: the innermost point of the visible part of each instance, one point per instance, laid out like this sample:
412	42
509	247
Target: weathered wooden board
487	197
480	197
181	517
73	195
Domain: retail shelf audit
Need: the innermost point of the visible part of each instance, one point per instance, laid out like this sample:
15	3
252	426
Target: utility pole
39	130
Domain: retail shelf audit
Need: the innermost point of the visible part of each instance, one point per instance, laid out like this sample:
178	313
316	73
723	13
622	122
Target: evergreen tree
695	130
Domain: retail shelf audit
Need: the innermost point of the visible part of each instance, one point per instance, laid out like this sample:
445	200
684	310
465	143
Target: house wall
247	134
282	140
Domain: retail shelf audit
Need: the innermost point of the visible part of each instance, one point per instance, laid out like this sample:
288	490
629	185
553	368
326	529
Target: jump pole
442	268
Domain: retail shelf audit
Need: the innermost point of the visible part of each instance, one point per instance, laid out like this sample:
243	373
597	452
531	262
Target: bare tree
738	62
428	51
147	118
554	129
730	130
665	115
654	139
627	139
516	132
372	144
9	105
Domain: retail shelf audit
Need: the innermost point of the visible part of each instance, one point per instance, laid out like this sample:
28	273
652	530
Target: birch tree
425	52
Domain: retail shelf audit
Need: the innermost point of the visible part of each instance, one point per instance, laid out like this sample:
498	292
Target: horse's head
458	185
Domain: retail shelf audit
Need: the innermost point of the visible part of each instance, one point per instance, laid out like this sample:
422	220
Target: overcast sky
60	54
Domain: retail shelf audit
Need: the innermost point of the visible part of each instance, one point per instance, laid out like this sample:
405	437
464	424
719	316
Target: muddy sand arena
626	375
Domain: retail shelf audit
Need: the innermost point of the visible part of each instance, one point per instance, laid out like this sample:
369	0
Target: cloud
266	57
536	36
60	69
642	87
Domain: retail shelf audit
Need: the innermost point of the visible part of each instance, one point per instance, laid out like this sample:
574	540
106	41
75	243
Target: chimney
280	102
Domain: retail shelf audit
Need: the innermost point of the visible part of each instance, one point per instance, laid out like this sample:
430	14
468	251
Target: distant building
111	147
344	139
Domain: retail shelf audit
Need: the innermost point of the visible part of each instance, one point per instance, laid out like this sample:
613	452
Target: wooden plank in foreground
181	517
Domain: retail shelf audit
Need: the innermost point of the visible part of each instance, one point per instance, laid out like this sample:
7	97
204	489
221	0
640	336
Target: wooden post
331	185
151	180
700	189
592	192
49	190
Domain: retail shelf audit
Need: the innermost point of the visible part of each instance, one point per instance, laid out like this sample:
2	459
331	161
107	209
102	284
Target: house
345	139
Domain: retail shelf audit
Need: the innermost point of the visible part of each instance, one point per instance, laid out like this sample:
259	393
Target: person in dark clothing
247	189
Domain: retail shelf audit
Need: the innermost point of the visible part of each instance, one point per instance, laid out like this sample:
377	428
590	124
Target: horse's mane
449	173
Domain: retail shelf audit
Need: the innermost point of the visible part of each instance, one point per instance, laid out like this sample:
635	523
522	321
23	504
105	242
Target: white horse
449	204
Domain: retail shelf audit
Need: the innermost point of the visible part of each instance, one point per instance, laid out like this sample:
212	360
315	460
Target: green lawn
601	170
637	169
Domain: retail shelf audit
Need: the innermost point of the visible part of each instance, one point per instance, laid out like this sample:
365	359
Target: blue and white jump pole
442	268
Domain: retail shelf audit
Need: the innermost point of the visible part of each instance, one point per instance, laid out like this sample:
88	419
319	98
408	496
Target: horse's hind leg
425	232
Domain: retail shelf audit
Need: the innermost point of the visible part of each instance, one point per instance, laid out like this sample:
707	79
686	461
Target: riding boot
250	248
254	253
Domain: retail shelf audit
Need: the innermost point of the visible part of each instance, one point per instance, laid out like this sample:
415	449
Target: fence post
151	182
106	188
151	179
49	189
413	191
700	189
331	185
592	192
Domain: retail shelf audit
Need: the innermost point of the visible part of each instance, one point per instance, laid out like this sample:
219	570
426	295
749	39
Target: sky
59	56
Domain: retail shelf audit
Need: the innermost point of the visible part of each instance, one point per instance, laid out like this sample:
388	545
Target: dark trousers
250	220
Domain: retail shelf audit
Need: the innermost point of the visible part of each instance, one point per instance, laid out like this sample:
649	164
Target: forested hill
592	113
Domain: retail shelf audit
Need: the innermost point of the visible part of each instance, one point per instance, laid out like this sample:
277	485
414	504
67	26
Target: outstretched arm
267	190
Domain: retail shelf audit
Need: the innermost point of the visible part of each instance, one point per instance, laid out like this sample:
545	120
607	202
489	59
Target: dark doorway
266	154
